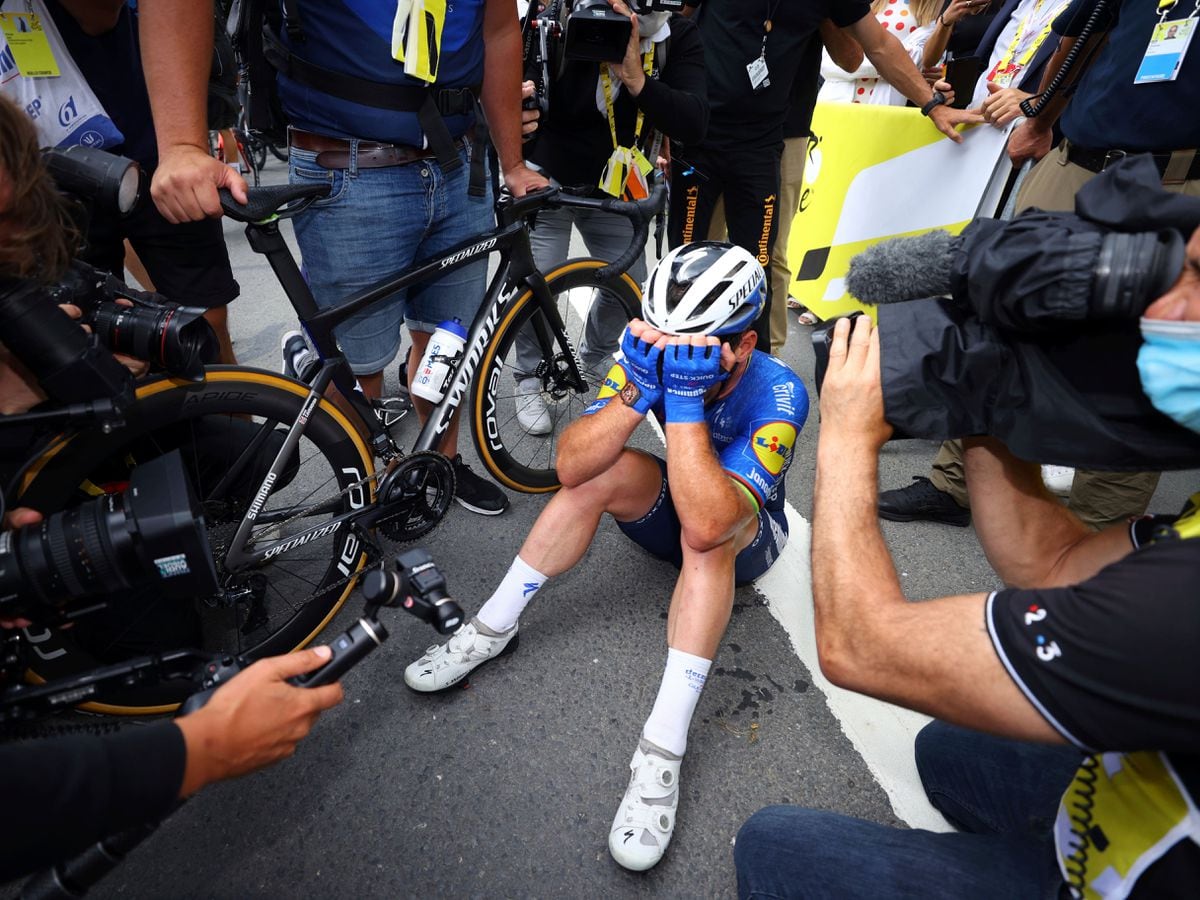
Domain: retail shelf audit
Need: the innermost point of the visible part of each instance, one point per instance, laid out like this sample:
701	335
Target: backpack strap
431	104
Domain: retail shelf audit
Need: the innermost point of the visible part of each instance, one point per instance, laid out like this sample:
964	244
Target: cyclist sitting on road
714	507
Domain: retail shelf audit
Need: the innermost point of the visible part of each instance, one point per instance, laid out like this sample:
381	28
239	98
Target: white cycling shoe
468	648
645	819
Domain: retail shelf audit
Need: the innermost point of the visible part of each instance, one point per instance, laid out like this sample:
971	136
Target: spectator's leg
717	230
990	785
791	181
947	473
551	241
751	209
696	187
607	236
790	851
1101	499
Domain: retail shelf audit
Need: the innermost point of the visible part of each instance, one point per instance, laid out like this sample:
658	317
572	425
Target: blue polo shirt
1110	111
355	37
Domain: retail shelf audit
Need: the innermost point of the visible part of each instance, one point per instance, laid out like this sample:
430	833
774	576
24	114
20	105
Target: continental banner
876	172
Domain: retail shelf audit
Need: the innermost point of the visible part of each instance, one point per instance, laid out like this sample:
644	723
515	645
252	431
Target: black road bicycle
294	504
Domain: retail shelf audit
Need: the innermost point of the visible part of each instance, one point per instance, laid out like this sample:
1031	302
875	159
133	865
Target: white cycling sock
503	608
682	682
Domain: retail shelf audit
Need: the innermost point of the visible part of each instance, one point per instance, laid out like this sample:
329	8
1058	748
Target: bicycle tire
517	459
219	415
280	153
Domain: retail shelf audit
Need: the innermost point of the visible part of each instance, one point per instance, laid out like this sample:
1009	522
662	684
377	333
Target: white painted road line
882	733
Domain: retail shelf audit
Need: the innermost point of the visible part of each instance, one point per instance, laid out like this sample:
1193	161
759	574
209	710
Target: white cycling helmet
708	287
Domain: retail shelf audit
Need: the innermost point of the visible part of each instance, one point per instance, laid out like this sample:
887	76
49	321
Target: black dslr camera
1027	329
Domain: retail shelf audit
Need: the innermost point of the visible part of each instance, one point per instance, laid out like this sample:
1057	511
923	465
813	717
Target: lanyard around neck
606	83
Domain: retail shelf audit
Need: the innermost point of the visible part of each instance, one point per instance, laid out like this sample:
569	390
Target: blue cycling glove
688	373
642	363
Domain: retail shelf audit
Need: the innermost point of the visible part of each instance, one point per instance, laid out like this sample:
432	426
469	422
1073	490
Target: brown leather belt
1174	166
334	153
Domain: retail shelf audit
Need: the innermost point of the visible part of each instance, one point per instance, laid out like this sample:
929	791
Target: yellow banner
877	172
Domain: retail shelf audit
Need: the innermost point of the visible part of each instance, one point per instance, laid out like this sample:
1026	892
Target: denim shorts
659	533
376	222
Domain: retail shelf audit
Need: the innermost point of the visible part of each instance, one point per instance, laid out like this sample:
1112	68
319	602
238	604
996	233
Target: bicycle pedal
391	410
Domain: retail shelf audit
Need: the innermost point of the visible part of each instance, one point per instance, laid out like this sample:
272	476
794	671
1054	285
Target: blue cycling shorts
659	533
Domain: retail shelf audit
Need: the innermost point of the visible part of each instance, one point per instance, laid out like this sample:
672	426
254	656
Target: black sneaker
477	494
921	501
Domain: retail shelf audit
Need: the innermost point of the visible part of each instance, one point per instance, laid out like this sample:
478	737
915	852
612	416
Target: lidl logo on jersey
613	382
773	444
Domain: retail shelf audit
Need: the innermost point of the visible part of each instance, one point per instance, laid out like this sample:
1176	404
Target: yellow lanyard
1006	60
606	83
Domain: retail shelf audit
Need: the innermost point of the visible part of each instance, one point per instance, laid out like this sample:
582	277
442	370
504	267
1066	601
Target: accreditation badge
1164	54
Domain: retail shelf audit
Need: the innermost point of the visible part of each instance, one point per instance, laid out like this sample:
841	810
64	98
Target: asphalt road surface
507	788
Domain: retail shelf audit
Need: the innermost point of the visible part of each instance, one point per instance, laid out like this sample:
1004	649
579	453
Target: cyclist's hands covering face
691	367
641	349
255	720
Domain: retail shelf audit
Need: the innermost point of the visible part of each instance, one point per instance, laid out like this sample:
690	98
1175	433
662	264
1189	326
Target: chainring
415	495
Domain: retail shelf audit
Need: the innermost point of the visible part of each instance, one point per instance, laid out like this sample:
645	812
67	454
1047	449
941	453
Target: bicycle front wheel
518	374
228	430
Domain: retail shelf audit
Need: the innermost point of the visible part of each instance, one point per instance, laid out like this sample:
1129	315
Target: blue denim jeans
1003	793
376	222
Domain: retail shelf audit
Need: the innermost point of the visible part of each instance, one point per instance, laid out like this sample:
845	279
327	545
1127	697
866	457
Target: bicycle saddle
273	200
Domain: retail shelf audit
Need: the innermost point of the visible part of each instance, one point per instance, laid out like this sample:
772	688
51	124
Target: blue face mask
1169	363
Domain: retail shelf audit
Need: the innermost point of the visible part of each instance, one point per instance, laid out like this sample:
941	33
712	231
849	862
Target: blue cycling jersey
753	428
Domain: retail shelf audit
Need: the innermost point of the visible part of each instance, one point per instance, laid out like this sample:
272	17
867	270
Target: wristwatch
630	394
937	99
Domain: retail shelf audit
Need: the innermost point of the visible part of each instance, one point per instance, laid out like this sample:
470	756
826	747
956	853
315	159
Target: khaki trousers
1098	498
791	183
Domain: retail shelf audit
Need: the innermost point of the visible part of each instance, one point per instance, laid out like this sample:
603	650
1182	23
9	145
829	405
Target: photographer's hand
19	518
852	394
630	71
185	184
255	720
1182	301
529	117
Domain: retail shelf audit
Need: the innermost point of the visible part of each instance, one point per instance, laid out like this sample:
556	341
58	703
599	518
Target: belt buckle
1112	156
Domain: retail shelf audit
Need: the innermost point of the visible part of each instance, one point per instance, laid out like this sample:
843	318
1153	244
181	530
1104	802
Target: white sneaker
1058	479
445	666
531	408
645	819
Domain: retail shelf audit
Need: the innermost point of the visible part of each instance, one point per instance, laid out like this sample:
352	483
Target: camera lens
152	533
176	338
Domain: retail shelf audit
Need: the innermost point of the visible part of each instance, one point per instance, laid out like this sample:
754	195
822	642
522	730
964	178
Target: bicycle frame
517	270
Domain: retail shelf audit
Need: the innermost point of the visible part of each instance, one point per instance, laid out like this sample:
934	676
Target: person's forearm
898	70
710	506
501	97
853	573
935	47
1029	537
176	38
591	444
841	46
1044	121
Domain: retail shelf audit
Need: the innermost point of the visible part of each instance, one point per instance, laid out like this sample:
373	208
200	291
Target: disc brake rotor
415	495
